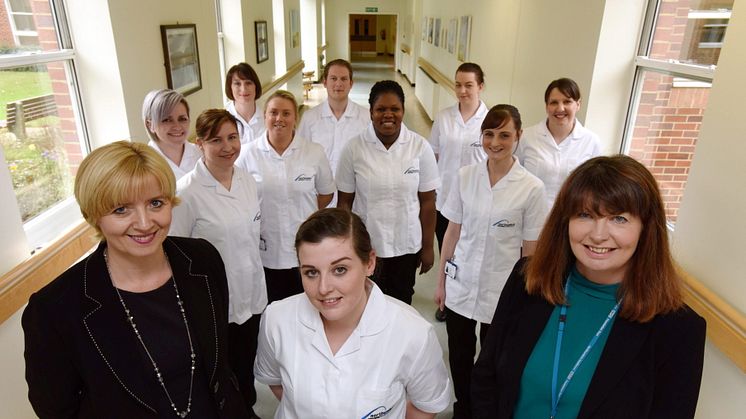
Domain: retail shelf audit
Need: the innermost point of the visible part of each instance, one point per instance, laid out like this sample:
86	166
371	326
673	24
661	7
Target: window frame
52	222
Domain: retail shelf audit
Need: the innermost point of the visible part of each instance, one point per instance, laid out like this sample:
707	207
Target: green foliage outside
38	165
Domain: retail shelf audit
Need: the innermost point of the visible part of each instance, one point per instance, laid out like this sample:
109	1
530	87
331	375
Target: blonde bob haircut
114	174
283	94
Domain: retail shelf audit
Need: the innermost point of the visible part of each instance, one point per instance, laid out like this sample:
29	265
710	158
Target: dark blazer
646	370
82	358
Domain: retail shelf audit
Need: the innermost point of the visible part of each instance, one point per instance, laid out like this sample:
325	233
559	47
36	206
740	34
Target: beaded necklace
192	356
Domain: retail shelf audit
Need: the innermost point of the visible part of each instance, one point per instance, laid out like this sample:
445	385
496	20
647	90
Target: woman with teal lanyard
593	324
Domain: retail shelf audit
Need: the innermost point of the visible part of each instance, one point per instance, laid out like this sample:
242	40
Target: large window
677	59
41	132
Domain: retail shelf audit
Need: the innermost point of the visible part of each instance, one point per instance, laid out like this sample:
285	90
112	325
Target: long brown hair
610	185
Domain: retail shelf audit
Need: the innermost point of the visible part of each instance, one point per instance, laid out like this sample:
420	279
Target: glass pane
24	22
690	31
39	135
665	131
34	16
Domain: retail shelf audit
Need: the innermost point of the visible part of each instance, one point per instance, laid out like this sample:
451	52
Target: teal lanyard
560	334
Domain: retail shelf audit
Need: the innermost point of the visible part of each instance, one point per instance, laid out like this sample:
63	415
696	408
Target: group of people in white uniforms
371	185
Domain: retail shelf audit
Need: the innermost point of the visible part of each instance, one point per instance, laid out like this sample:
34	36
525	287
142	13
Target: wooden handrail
40	269
293	70
436	75
726	326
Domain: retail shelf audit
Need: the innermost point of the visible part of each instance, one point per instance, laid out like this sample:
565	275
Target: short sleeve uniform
392	356
457	144
289	185
494	222
320	126
188	159
230	220
386	183
552	162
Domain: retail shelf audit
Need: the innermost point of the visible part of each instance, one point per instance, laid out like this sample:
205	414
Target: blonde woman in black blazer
608	230
95	335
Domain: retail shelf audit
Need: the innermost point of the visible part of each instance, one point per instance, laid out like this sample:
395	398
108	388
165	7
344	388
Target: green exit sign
371	9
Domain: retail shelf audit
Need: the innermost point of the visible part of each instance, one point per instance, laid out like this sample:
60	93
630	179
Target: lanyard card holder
451	269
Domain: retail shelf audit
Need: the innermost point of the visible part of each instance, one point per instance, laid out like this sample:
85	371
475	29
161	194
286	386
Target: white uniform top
457	144
321	126
385	183
552	162
494	222
188	159
392	356
249	130
289	185
230	221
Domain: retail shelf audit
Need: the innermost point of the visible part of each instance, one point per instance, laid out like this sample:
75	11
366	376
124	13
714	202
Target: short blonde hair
114	173
283	94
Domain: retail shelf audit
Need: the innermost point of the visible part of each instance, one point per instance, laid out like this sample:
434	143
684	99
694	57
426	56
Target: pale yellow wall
137	37
710	230
240	35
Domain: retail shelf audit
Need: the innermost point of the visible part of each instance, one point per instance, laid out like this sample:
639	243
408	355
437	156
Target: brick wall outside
60	87
668	117
6	32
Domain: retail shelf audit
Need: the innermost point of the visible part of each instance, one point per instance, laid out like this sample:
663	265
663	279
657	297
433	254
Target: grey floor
367	71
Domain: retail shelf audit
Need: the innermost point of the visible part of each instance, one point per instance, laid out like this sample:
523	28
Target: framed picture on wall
262	42
294	28
430	30
436	41
181	58
424	28
452	32
464	36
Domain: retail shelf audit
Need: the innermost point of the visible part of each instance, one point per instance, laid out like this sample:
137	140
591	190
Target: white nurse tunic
392	356
457	144
321	126
289	185
230	220
386	183
552	162
188	159
250	130
494	222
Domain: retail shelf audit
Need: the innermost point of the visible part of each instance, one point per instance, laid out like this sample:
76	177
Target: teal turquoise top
589	306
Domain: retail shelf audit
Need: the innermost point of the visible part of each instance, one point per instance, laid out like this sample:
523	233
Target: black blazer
82	358
646	370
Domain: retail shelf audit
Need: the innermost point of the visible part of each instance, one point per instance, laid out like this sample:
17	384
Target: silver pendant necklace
192	356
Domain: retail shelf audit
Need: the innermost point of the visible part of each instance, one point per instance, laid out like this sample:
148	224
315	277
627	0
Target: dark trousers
282	283
462	346
395	276
242	340
441	224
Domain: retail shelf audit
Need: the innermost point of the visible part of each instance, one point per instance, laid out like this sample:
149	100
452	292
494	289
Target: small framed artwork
262	42
294	28
452	25
430	30
464	36
436	40
181	57
424	28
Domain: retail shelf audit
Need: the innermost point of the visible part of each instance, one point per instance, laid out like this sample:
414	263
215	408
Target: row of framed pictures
454	38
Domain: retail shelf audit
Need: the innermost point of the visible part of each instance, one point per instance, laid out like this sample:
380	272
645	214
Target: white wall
710	230
13	388
137	37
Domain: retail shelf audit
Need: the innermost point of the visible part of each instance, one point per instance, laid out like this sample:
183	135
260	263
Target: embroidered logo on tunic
503	223
303	178
258	216
378	412
411	170
476	144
